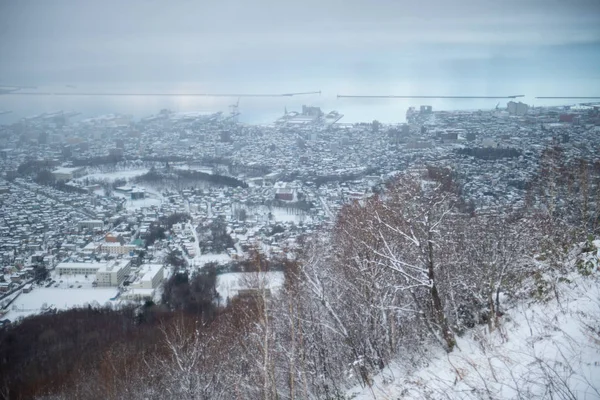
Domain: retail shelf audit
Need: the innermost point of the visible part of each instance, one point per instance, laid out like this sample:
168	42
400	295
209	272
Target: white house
113	272
72	268
117	248
91	224
151	275
91	248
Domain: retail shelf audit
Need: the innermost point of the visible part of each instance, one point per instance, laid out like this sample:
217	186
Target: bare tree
494	254
409	223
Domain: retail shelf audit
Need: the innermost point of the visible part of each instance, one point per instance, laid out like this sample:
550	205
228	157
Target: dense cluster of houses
295	176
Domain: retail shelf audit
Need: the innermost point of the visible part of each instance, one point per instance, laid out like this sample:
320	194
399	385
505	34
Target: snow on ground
67	291
113	176
133	205
61	298
542	350
196	261
66	281
9	298
280	214
152	199
206	170
135	294
208	257
229	284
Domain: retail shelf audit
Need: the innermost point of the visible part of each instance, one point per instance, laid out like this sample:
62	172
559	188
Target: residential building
92	247
118	152
74	268
117	248
113	273
137	194
91	225
151	276
285	192
111	237
515	108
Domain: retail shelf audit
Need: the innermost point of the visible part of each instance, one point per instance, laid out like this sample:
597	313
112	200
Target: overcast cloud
169	41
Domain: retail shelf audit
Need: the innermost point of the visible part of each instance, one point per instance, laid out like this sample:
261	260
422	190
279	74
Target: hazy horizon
537	48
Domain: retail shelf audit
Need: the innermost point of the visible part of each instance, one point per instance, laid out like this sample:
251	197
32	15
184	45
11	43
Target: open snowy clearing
229	285
542	350
113	176
206	170
152	199
221	258
280	214
133	205
65	281
61	298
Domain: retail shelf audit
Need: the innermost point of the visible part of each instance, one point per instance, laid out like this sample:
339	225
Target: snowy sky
178	41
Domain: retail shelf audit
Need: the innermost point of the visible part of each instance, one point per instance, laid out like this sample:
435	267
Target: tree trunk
438	308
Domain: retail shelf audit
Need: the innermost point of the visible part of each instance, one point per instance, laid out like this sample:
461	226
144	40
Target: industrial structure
515	108
310	115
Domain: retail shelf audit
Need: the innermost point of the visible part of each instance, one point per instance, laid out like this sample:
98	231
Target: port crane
234	111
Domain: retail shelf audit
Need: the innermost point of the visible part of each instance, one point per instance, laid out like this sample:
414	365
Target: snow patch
229	284
41	298
541	350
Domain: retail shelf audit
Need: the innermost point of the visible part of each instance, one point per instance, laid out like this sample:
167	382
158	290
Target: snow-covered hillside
543	349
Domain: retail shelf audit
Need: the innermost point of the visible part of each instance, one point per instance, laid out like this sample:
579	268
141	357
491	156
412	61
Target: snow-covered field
206	170
61	298
228	285
280	214
141	203
66	292
209	257
65	281
542	351
113	176
153	198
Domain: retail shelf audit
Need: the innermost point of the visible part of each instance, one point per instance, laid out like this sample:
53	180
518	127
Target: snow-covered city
326	200
106	223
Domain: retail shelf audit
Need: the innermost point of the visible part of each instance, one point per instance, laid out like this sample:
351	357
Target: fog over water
536	48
